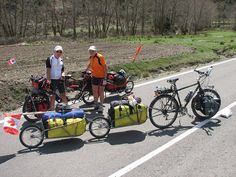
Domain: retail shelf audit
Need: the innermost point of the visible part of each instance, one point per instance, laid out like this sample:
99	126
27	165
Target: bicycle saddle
172	80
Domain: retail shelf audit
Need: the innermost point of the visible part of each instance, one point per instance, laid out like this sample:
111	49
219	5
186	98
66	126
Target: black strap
99	59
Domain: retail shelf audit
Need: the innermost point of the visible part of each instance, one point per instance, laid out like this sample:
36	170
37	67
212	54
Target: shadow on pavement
5	158
127	137
57	146
209	127
171	131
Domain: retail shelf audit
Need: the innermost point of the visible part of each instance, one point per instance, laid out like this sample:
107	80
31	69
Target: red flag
138	50
11	122
12	61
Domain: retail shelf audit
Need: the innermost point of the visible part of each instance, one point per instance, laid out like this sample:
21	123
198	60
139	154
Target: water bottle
188	96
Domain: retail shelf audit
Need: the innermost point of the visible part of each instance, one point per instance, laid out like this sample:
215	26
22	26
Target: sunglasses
59	51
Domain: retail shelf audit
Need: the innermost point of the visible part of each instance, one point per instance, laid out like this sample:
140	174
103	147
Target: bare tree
74	16
102	18
143	18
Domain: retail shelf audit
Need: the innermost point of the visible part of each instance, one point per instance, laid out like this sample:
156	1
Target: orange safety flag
11	122
138	50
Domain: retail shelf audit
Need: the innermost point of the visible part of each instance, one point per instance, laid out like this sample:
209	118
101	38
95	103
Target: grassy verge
208	46
11	95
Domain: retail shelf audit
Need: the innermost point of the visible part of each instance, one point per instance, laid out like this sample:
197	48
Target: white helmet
93	48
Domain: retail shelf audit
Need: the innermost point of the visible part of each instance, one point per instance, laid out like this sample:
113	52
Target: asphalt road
208	151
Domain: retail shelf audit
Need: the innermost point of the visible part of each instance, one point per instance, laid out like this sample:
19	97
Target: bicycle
165	108
37	98
84	86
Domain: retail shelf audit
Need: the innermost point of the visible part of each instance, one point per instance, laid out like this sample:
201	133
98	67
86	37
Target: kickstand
189	115
180	122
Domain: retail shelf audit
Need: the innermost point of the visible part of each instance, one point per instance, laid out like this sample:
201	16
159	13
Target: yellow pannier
124	115
71	127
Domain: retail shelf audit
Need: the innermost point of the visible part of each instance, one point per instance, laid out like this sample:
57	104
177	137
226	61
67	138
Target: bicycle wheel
163	111
88	98
29	106
75	96
129	87
199	109
99	127
31	136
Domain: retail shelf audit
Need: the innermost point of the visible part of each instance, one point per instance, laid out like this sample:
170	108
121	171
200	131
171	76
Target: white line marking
150	155
183	73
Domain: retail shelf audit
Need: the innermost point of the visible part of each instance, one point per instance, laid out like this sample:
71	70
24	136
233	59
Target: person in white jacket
55	74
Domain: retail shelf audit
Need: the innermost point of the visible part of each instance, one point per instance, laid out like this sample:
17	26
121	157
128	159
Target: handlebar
34	78
86	72
206	73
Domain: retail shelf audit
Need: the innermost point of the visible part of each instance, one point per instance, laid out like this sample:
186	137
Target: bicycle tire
86	101
99	120
197	113
163	112
129	90
29	107
21	136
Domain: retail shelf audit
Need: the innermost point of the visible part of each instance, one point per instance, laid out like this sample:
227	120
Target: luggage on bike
63	108
117	78
39	82
75	113
64	124
69	127
208	105
125	114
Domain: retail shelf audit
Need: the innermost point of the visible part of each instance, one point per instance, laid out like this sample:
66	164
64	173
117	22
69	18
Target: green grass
208	46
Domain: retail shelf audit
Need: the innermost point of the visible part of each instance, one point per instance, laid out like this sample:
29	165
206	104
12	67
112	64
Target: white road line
183	73
152	154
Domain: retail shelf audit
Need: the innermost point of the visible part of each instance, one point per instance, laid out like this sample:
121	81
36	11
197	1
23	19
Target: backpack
99	60
209	105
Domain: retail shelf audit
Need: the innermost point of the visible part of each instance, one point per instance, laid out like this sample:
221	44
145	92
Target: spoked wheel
129	87
88	98
200	108
75	96
31	136
29	106
99	127
163	111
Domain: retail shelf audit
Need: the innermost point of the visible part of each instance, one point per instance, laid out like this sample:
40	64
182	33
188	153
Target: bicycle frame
176	92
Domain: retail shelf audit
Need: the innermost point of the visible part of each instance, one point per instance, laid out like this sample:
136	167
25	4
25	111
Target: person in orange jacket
97	65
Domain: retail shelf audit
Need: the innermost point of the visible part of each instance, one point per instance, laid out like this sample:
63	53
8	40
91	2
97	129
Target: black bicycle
164	109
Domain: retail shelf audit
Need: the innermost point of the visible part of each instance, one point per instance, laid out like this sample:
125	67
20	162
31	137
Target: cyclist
55	74
97	65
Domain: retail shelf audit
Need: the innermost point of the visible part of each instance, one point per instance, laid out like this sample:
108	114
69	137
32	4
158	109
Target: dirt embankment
31	61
